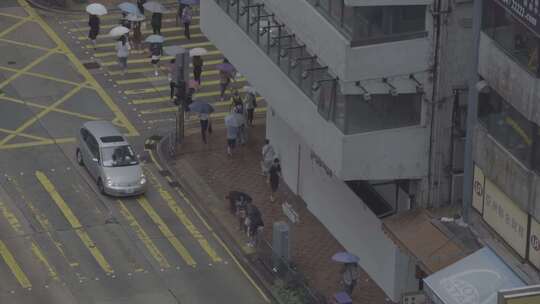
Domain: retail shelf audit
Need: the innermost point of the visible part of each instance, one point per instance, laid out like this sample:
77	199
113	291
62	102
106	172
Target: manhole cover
11	62
91	65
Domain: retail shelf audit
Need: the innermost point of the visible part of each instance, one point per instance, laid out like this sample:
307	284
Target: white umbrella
154	39
96	9
154	7
118	31
250	89
135	17
197	52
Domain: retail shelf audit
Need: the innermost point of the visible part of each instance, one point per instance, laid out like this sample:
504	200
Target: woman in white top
122	52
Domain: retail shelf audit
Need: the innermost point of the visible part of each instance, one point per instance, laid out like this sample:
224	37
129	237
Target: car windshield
118	156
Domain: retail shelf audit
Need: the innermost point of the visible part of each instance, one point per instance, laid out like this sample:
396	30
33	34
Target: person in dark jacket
156	23
140	4
197	68
186	20
93	23
275	174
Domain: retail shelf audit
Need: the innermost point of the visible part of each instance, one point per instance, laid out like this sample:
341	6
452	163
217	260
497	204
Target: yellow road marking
166	88
111	25
13	27
29	45
175	108
152	79
73	221
164	98
189	225
143	236
15	16
117	16
44	223
38	143
167	39
41	257
26	68
39	75
14	266
78	65
167	232
22	134
36	105
35	118
188	201
165	30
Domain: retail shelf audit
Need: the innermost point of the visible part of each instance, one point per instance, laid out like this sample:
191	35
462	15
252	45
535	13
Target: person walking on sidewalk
350	277
136	35
250	104
224	80
186	20
198	63
173	75
140	5
275	174
93	23
156	50
122	52
268	156
232	134
237	104
204	120
156	23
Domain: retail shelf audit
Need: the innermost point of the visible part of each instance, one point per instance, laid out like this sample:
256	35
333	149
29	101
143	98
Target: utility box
280	244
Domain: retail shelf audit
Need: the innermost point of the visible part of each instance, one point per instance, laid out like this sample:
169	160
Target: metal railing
303	68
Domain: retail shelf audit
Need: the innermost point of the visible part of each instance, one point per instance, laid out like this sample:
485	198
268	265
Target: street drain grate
165	173
11	62
91	65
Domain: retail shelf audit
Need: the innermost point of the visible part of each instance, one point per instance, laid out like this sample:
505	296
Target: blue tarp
474	279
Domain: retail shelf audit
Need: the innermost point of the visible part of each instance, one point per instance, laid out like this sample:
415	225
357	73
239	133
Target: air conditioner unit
413	298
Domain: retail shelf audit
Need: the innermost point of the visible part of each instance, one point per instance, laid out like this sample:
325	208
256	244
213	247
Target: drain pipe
472	112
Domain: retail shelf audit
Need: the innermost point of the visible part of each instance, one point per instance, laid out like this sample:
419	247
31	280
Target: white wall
290	103
350	64
343	213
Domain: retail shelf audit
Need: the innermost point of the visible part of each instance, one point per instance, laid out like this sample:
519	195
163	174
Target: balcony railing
289	54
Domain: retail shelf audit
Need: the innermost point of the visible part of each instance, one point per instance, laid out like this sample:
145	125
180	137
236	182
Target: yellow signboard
478	190
505	217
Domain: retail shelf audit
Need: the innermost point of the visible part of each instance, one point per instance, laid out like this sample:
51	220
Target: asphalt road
60	240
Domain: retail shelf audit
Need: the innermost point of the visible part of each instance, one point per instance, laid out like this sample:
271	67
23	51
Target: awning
415	233
475	279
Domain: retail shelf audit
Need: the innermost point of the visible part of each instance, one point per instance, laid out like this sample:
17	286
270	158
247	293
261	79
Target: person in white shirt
122	52
268	156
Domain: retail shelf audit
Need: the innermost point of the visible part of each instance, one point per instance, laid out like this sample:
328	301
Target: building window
514	38
382	111
379	24
511	129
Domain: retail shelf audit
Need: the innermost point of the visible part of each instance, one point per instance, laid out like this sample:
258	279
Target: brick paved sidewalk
211	174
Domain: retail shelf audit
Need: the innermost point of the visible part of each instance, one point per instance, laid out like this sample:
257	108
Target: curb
163	160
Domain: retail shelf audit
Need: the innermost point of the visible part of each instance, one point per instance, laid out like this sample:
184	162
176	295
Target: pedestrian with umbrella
156	50
226	74
136	34
186	20
349	272
197	61
94	10
204	109
122	46
157	13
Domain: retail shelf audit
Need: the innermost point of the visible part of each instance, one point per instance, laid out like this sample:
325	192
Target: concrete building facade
366	108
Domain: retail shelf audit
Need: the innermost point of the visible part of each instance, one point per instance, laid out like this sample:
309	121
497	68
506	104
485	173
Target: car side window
93	146
84	134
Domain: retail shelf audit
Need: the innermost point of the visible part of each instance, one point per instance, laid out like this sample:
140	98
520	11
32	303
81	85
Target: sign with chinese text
534	243
505	217
478	190
527	11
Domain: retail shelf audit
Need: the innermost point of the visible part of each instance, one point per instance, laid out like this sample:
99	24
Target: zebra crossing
148	93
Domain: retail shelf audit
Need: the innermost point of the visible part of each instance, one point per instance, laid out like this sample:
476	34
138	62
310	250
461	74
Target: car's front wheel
100	186
80	160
